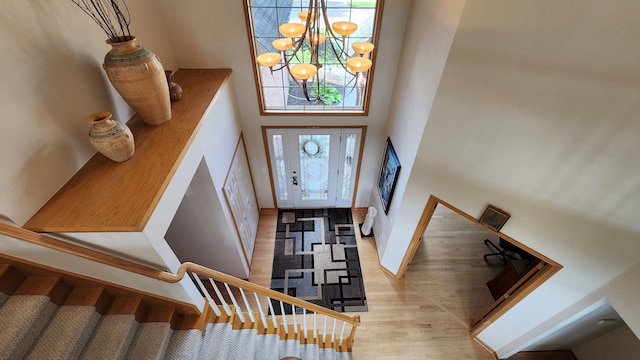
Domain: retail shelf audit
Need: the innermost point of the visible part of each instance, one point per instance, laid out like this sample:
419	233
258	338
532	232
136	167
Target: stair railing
211	292
283	310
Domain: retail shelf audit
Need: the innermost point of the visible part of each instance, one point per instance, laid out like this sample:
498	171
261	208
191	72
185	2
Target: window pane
347	170
314	166
278	154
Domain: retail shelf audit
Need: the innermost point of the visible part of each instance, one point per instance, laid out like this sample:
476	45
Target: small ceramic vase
111	138
175	90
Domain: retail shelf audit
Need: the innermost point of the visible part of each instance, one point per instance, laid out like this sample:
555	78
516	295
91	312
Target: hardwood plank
449	266
95	196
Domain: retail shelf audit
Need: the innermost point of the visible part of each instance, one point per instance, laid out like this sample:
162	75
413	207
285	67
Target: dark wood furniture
509	276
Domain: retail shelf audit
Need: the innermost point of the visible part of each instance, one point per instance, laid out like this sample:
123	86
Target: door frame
530	282
265	140
240	143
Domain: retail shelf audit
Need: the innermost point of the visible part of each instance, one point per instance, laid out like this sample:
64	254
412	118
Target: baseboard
486	347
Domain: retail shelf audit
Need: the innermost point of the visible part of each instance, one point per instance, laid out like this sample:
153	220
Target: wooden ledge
106	196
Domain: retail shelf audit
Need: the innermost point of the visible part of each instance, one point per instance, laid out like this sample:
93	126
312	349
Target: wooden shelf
105	196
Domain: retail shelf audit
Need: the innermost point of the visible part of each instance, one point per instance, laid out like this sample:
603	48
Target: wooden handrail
76	250
216	275
93	255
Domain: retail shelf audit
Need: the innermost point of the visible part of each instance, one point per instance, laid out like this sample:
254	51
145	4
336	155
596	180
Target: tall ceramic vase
139	78
111	138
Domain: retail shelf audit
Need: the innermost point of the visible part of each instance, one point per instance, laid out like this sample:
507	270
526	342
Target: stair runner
32	327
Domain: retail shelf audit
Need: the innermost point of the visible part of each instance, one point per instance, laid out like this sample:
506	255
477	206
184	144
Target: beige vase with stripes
138	76
111	138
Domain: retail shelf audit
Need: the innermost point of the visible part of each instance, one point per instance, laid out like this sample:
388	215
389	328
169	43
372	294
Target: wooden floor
428	313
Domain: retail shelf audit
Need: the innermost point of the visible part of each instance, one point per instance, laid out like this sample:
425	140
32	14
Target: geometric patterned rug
316	259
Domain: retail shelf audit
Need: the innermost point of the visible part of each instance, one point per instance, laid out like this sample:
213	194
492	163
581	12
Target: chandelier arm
340	61
317	87
315	50
332	34
314	36
304	89
333	38
286	62
302	86
355	83
312	5
294	53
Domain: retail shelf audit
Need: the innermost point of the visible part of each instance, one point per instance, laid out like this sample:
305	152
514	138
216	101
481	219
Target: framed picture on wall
494	217
389	170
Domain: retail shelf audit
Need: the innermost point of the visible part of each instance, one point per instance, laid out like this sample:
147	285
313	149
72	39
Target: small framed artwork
494	217
389	171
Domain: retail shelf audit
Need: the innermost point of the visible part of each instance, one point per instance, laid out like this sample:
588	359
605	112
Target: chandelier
301	45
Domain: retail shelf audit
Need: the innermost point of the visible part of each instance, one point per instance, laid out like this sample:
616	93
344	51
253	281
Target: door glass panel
281	174
314	166
347	170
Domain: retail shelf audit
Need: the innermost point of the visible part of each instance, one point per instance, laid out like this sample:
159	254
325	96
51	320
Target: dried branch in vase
111	15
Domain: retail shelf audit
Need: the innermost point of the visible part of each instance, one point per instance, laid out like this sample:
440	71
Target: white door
239	192
314	167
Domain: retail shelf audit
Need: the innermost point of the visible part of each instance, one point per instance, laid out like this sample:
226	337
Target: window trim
323	112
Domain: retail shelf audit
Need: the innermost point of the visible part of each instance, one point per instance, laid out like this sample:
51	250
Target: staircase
46	315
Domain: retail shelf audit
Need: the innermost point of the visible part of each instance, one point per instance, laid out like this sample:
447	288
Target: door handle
295	180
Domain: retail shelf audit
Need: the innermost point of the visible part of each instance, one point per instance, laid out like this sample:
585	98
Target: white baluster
333	332
246	303
295	323
304	322
342	332
273	314
315	327
235	304
284	319
262	317
212	303
225	306
324	330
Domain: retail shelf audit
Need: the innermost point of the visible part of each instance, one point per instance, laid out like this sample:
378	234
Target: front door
314	167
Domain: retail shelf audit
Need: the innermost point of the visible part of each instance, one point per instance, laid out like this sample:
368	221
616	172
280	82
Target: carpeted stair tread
243	343
23	318
41	330
215	344
184	345
150	341
3	298
291	348
111	338
66	334
310	351
328	354
267	347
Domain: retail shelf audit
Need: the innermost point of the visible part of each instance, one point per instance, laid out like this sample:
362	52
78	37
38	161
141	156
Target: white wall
619	344
52	56
430	31
533	115
53	79
212	33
